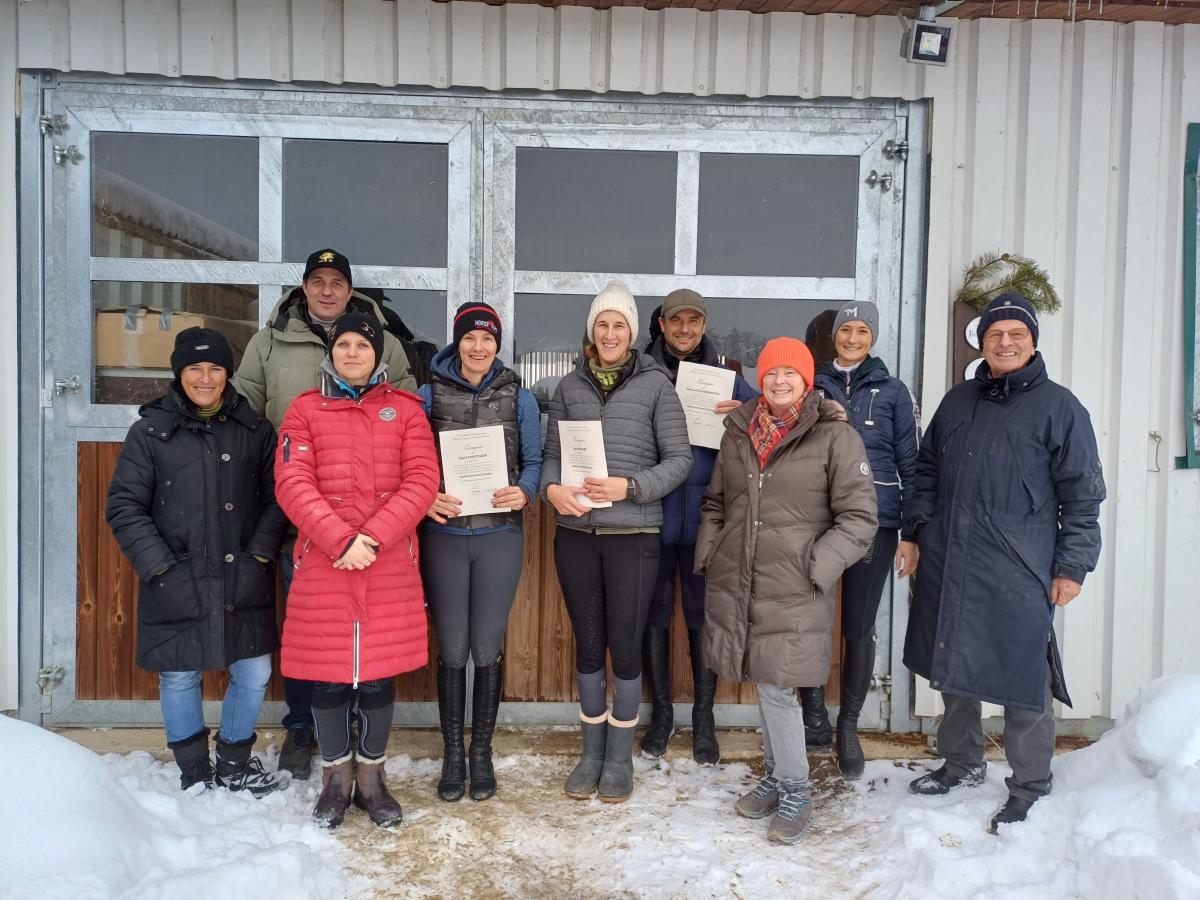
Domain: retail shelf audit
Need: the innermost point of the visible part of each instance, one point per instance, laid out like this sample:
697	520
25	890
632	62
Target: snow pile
78	825
1123	819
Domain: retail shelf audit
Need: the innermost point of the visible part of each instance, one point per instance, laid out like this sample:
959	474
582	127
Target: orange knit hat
786	351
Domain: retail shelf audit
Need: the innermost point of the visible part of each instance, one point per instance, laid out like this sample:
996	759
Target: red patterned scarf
767	429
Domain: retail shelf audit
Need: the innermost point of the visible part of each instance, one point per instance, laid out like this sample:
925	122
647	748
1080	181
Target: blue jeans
297	693
179	696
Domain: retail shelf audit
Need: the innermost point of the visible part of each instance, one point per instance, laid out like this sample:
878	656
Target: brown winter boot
337	780
372	794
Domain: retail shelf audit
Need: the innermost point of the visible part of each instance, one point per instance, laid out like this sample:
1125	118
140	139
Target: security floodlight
925	41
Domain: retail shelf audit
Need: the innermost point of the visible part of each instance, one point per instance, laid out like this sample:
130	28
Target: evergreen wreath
993	274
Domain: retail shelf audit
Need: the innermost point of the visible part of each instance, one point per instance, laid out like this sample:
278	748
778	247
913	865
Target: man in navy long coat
1005	508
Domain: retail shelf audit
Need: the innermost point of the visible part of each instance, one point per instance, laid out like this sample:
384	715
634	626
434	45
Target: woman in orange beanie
791	504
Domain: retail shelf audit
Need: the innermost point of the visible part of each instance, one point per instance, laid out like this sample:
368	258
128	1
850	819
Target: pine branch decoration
994	274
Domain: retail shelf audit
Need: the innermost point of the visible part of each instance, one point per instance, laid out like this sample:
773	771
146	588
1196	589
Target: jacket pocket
170	596
254	585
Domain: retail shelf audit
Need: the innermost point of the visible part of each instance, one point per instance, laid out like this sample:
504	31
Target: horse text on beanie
617	298
367	326
1009	307
859	311
476	317
200	345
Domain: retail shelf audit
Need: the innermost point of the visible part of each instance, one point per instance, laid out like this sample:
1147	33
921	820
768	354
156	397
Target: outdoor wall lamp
925	41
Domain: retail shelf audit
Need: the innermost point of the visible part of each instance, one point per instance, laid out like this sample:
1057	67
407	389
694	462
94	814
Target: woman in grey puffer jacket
607	558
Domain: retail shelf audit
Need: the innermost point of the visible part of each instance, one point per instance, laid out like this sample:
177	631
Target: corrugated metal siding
1064	142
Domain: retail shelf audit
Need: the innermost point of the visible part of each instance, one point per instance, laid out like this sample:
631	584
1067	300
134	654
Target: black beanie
472	316
1009	306
199	345
367	326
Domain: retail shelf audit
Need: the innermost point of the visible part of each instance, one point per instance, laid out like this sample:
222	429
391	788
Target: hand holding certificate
700	388
474	467
581	445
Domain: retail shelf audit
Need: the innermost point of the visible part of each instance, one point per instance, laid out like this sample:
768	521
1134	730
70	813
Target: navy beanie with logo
476	316
201	345
1006	307
367	326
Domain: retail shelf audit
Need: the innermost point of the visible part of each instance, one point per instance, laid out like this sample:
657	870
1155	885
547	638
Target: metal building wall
8	359
1064	142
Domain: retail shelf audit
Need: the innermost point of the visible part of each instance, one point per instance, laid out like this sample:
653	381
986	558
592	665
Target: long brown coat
774	542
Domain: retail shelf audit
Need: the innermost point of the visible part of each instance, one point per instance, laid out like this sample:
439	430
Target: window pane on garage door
382	204
595	210
174	196
776	215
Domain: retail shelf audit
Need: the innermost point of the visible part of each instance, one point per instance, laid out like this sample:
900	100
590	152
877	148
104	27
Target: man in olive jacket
282	361
1005	507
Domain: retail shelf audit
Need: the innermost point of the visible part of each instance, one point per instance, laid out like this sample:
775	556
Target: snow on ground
1123	821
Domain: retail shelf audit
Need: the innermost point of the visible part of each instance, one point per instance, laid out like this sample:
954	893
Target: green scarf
608	376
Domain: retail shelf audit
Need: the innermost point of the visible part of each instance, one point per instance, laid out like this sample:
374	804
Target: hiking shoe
1014	810
943	781
761	801
793	816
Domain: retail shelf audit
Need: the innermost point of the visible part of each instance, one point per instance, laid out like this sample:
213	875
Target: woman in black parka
192	504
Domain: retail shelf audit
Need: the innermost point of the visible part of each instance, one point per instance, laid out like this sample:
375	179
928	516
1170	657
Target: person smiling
882	411
355	471
607	558
192	504
790	506
471	564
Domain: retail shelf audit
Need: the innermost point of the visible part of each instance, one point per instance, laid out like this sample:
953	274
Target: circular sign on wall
972	333
969	371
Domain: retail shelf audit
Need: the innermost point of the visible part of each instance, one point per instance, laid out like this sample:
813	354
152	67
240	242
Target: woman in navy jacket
884	414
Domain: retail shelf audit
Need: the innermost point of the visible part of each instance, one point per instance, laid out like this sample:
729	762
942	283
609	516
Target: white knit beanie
616	297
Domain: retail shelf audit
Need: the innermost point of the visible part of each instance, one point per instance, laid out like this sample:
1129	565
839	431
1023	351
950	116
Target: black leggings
333	704
607	581
862	585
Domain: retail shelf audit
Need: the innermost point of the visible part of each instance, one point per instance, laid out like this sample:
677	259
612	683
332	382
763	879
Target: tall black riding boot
704	682
485	703
452	701
657	646
818	733
857	666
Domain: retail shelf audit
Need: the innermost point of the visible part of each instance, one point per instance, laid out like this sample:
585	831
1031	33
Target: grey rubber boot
585	778
616	780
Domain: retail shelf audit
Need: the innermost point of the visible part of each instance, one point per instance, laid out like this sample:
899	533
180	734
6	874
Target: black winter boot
452	699
657	651
485	703
237	770
191	755
818	733
297	753
857	667
704	682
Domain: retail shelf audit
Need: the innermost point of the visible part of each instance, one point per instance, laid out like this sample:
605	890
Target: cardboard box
138	339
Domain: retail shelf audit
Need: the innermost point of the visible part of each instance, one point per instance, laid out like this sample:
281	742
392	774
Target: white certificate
581	448
700	388
474	466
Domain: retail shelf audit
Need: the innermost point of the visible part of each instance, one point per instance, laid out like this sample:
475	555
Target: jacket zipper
356	653
871	407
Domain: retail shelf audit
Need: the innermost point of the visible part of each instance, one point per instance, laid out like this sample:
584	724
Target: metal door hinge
882	683
49	676
1196	416
52	124
884	181
63	155
896	149
70	385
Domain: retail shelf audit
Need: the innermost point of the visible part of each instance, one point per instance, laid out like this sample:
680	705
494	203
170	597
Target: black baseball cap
328	259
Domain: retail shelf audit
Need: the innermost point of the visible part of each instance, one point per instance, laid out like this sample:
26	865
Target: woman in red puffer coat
355	471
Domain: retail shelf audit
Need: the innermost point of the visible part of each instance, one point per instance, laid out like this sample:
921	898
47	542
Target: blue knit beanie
1009	306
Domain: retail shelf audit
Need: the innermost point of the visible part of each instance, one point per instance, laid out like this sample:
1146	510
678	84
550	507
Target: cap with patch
328	259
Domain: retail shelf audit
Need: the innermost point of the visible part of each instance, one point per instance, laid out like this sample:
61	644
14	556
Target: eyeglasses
1016	335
